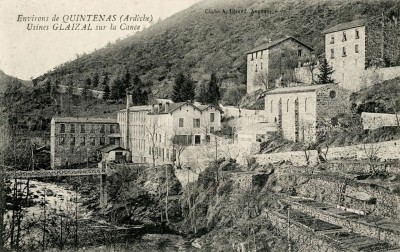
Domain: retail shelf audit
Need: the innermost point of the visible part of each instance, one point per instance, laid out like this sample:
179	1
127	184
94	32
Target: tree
116	93
95	79
106	79
88	82
140	91
106	93
213	95
179	143
184	89
85	91
202	93
233	96
152	131
325	73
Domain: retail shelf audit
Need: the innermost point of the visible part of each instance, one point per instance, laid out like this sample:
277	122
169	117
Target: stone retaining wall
365	229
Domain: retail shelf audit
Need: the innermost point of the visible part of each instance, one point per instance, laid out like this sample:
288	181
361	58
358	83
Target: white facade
345	52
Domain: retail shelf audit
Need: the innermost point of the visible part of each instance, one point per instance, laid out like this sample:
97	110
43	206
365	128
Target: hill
198	42
5	79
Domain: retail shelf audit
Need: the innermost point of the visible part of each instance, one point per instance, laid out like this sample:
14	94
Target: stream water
56	199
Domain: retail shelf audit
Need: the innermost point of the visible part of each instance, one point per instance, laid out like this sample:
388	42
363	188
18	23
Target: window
261	65
287	106
102	141
332	94
212	117
332	39
305	105
92	141
91	128
299	52
357	34
83	128
344	52
332	53
196	122
102	129
212	129
62	128
72	141
72	130
271	106
261	54
61	141
180	122
159	138
256	55
112	129
344	37
256	67
83	141
356	48
197	139
208	138
112	141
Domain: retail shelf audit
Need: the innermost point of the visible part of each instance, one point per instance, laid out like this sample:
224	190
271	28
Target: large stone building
353	47
75	140
134	136
159	126
263	58
300	112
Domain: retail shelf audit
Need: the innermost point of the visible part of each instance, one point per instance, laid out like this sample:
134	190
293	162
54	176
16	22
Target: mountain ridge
198	43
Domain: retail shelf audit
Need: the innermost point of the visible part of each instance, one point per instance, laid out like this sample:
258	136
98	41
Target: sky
30	53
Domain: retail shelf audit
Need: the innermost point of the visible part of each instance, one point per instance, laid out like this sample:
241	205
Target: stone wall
295	157
378	120
366	229
303	237
362	166
303	74
329	189
373	75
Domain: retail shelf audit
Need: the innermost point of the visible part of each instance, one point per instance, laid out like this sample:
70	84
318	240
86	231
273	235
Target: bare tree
371	151
152	128
180	144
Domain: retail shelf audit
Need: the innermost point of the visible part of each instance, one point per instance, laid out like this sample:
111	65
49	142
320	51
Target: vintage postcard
199	125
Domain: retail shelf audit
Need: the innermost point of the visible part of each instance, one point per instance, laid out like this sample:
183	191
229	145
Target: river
55	200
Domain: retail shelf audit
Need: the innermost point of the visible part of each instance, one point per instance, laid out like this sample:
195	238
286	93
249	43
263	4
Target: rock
196	243
277	189
49	192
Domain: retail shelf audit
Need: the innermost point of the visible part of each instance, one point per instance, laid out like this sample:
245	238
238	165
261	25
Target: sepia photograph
200	125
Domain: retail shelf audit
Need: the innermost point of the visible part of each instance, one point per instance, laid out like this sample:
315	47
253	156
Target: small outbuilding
258	132
113	153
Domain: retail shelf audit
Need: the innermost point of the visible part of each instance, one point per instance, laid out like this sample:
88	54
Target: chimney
167	107
159	107
127	123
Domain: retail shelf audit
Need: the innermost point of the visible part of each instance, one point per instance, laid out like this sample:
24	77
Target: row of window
344	53
196	121
344	36
332	94
82	128
83	141
299	53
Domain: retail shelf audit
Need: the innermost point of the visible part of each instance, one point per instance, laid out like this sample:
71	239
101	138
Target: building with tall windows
301	112
76	140
155	129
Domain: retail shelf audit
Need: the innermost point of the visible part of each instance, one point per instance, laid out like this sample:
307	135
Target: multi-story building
76	140
136	132
158	127
353	47
300	112
263	58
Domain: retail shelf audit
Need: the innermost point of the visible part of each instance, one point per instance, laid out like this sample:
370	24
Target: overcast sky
26	54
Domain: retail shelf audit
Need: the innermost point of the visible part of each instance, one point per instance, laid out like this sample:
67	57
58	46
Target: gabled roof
300	89
174	106
138	108
345	26
110	147
277	42
83	120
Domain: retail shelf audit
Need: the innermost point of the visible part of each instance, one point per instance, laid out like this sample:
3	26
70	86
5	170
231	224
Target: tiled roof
300	89
276	42
110	147
138	108
83	120
345	26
